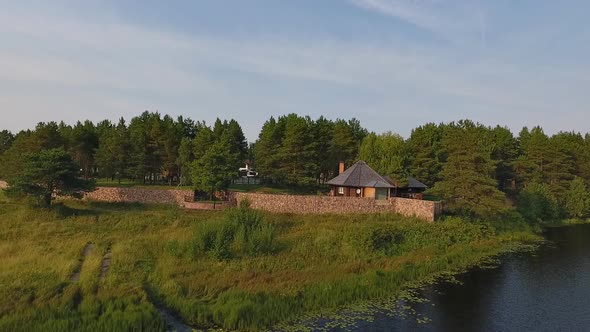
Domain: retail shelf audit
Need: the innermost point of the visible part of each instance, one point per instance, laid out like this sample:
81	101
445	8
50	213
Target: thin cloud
456	21
414	12
58	67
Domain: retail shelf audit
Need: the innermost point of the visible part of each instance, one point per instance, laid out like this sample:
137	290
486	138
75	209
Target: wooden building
412	189
360	180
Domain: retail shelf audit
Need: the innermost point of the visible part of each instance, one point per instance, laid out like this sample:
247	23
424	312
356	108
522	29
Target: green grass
273	268
126	183
279	189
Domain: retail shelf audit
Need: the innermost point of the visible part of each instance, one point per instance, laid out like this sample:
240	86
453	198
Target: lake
548	290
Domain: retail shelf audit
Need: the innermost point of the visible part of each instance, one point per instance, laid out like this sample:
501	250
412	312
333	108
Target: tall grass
241	269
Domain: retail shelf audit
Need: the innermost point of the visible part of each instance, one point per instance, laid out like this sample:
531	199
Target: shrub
241	231
536	203
385	240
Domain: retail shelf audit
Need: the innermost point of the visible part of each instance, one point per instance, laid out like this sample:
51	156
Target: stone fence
426	210
108	194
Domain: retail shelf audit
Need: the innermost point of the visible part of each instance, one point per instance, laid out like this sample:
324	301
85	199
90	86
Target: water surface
548	290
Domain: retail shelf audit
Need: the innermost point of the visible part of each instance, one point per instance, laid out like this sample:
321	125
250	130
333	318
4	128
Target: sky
392	64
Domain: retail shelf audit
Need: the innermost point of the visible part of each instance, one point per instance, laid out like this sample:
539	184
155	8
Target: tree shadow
64	211
117	206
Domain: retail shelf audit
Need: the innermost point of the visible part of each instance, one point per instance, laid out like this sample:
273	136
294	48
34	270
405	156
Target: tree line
477	170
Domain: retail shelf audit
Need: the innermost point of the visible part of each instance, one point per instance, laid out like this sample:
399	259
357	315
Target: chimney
341	168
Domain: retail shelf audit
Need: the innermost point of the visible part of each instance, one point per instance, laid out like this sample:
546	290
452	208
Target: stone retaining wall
206	205
426	210
108	194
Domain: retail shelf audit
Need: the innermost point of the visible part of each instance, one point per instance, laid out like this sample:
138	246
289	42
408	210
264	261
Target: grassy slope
322	262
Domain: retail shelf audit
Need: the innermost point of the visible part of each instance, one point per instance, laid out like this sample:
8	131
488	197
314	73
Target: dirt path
87	249
106	263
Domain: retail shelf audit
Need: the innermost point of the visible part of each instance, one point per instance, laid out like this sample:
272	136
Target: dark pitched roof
412	183
360	175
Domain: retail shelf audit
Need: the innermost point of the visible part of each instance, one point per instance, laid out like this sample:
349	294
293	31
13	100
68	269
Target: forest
478	170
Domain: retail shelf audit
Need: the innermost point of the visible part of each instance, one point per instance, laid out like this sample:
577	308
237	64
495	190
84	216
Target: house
360	180
412	189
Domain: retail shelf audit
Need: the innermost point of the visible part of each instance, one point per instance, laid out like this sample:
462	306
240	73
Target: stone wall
107	194
206	205
426	210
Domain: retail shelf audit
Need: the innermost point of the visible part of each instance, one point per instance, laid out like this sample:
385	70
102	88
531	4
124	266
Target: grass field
239	269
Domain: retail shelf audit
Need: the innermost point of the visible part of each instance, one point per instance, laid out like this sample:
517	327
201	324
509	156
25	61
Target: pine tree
296	152
424	147
504	152
467	184
344	145
6	139
185	158
213	171
322	131
83	142
47	173
577	199
266	150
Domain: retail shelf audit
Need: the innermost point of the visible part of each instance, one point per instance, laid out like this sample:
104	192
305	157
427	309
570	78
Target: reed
239	269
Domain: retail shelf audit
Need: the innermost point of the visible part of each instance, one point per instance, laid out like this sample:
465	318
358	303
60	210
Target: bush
242	231
385	240
537	204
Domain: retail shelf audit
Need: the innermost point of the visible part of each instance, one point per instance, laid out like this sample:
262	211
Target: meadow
238	270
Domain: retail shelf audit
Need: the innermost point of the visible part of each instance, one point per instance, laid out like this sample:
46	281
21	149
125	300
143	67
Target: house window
340	190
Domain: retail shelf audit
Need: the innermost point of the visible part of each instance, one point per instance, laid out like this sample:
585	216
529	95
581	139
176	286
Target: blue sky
393	64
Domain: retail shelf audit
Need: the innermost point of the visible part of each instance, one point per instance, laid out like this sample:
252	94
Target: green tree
344	145
296	152
6	139
47	173
530	165
265	150
202	142
467	184
112	155
185	159
577	199
83	142
504	150
386	154
536	203
322	130
424	147
214	170
238	143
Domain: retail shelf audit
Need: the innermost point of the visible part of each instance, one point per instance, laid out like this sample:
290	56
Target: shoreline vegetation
240	269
